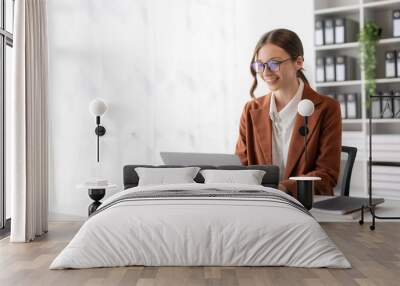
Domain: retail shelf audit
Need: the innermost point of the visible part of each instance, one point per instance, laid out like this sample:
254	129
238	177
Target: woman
269	125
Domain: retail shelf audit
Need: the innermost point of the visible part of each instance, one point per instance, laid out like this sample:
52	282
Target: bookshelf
386	139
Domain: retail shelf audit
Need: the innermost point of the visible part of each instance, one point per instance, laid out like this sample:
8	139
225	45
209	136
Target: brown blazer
254	145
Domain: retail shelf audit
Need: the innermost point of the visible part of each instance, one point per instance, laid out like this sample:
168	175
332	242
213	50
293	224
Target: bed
201	224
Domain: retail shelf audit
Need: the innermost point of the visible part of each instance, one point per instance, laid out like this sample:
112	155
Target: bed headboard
270	179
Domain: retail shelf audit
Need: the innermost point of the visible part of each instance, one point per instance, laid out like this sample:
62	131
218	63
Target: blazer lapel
296	147
262	124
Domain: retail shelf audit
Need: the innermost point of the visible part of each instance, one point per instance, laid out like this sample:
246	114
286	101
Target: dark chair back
348	157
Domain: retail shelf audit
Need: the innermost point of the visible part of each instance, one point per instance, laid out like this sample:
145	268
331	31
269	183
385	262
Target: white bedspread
200	231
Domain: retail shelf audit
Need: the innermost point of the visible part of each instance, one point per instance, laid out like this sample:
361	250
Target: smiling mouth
271	79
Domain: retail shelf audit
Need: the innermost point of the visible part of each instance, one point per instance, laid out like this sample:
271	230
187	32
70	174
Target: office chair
342	202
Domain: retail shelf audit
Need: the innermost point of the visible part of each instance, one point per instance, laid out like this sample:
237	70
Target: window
6	44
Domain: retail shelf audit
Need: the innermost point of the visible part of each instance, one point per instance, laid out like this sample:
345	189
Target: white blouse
282	127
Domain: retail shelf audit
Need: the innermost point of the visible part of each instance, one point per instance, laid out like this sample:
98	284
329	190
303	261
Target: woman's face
286	72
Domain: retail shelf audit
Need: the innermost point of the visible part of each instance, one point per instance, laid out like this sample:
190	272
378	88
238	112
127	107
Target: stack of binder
392	64
386	105
335	31
335	68
350	106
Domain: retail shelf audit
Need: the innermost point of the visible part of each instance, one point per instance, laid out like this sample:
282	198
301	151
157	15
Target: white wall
173	73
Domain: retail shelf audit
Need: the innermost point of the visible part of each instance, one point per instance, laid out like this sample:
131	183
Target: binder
344	68
330	68
390	64
329	31
398	63
340	67
396	23
352	110
320	75
376	106
387	105
319	32
341	98
396	104
345	30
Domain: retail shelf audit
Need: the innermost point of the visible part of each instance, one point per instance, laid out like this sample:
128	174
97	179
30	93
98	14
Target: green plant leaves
368	38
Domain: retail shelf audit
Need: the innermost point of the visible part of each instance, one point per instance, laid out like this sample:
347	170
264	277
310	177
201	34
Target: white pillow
249	177
163	176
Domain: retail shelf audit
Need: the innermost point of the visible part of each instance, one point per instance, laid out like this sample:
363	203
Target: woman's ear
299	63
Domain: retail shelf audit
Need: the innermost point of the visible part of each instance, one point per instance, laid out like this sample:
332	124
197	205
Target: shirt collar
290	109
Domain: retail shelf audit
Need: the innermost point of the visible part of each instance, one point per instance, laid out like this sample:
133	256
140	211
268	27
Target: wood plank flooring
375	257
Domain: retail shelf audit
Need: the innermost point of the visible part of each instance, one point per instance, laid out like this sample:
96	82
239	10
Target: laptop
185	159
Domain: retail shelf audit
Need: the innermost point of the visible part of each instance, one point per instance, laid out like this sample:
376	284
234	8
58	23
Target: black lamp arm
305	138
100	131
304	132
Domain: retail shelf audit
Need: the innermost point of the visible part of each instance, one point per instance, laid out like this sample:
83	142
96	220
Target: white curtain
28	121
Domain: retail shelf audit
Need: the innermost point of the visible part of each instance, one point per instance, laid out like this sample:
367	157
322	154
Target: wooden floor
375	257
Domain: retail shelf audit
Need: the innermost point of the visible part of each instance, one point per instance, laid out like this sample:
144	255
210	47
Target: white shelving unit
339	83
337	46
339	9
386	138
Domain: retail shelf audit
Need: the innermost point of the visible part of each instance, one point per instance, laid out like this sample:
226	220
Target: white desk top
86	187
305	178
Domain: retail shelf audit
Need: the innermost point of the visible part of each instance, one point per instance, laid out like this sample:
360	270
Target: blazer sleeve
241	144
327	165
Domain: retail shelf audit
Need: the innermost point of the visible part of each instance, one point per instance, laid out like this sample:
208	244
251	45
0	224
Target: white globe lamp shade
305	107
97	107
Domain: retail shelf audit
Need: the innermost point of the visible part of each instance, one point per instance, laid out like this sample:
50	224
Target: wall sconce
305	108
97	108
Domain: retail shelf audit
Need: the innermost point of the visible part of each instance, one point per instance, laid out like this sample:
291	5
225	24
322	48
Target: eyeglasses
272	65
